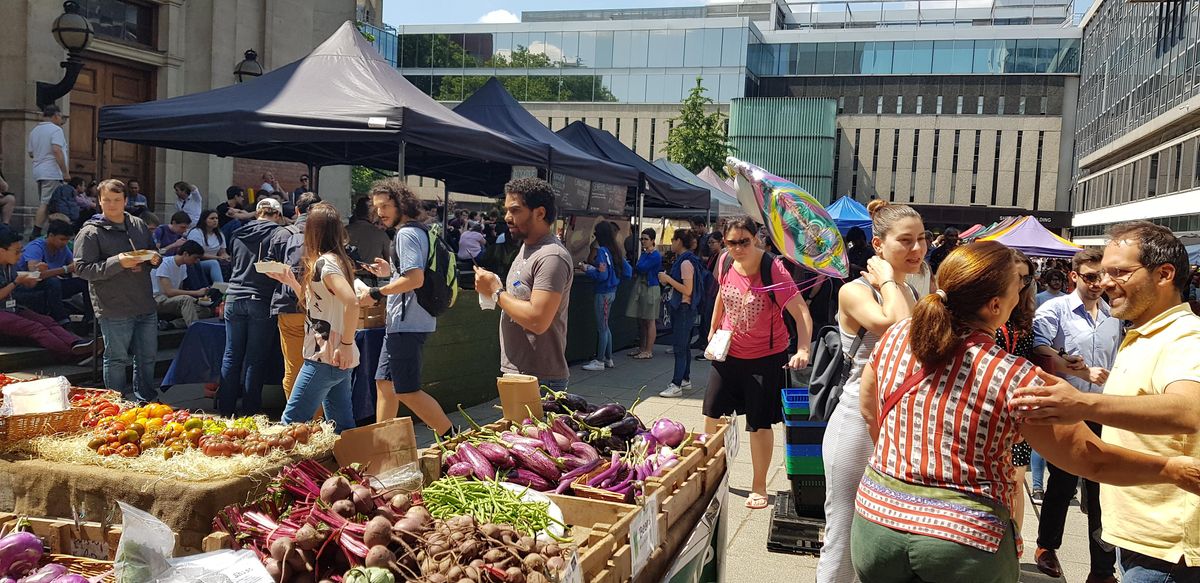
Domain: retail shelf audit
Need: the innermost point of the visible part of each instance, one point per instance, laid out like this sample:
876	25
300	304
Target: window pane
806	56
902	58
844	60
554	48
1069	51
570	49
604	49
587	49
658	49
620	49
478	49
619	85
693	55
415	50
515	85
639	43
674	52
637	88
962	56
732	45
922	57
1009	56
1047	50
603	90
654	89
986	57
882	63
712	47
943	56
542	88
1026	56
537	45
673	88
825	58
731	88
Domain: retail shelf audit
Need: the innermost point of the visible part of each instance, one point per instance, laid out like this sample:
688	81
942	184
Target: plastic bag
39	396
225	566
406	478
146	544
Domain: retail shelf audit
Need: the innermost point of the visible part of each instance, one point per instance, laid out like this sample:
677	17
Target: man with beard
534	297
1055	282
1151	402
398	379
1078	333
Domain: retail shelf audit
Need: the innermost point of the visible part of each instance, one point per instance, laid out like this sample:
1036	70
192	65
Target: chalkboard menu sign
607	199
524	172
572	192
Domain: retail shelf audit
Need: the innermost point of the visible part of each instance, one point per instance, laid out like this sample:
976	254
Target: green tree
698	139
534	87
361	178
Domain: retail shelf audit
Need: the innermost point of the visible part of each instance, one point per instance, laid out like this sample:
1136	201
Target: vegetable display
20	554
486	501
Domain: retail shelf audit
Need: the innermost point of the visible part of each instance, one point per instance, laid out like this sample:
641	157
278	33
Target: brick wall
248	173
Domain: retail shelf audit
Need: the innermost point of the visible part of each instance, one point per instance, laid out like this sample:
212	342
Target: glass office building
1138	144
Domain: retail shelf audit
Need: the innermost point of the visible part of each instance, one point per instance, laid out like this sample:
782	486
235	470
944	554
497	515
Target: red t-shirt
755	320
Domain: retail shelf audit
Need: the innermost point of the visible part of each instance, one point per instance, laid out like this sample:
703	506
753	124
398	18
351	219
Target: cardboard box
379	447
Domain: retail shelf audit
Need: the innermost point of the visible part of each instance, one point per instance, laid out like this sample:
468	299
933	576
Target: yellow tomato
154	424
127	417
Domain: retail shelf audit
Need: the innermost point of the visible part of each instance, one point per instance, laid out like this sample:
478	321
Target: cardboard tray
88	540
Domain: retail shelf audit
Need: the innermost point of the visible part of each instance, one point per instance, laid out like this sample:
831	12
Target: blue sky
400	12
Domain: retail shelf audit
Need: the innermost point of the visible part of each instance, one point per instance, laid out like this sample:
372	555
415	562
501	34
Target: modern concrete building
145	50
1138	144
955	105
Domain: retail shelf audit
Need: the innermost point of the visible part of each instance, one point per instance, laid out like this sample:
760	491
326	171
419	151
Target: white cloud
499	16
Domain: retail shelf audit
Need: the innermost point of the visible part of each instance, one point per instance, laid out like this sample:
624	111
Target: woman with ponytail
867	306
935	501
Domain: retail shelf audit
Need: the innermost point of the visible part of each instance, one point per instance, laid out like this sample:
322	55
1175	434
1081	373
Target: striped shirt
942	463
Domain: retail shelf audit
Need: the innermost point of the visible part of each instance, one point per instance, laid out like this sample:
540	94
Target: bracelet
347	343
891	281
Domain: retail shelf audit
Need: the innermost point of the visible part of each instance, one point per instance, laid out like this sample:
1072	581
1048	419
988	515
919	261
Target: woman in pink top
934	503
751	378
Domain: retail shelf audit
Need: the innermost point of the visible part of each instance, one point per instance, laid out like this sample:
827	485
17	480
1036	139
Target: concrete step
38	361
82	376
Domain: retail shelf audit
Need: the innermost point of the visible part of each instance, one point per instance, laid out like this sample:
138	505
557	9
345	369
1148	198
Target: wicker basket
16	428
87	567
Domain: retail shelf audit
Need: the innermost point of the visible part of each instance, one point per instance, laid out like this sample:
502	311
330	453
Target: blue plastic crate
804	450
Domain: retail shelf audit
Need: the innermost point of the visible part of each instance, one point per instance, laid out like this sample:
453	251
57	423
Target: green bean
487	502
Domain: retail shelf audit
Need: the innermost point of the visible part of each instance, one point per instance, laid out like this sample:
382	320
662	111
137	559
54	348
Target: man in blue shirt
398	379
53	259
1079	333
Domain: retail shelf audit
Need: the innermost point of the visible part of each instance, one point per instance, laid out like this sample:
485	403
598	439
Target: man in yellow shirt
1151	402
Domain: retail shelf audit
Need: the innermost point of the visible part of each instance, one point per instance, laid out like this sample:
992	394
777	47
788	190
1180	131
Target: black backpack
830	368
766	264
440	289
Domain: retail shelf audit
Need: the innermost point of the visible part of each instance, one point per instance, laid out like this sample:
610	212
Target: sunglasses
1026	280
738	242
1091	278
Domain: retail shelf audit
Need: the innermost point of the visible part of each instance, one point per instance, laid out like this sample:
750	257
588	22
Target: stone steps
38	361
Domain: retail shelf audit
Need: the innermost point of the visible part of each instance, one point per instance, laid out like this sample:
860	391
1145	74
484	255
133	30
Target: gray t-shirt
412	252
544	265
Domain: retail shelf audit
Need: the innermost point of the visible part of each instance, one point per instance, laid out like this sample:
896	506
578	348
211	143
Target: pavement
747	557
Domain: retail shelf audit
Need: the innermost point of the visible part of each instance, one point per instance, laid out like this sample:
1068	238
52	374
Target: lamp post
73	33
249	67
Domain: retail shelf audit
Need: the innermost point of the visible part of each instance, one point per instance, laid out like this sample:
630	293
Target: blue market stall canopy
849	213
722	204
341	104
665	189
493	107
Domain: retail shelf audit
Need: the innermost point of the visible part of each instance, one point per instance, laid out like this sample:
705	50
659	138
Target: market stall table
200	354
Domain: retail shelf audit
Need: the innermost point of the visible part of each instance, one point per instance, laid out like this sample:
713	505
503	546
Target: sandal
756	501
643	356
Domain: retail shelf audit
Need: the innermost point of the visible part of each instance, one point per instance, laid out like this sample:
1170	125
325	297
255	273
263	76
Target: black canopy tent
493	107
664	190
341	104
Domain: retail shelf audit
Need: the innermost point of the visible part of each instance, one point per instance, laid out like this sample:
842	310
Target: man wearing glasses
303	188
1079	334
1150	403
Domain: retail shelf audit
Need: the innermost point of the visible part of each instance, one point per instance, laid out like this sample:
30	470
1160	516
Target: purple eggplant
552	406
624	428
529	479
480	466
537	462
548	443
607	473
571	401
47	574
460	470
584	451
515	439
570	476
559	426
496	454
606	414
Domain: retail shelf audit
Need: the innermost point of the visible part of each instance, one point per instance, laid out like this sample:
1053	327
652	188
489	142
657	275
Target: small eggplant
552	406
530	479
606	414
624	428
572	401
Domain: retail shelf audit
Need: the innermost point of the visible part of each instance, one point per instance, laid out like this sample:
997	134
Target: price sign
643	534
733	439
572	573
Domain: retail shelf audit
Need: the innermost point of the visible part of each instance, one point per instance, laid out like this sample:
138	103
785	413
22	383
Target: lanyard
1010	338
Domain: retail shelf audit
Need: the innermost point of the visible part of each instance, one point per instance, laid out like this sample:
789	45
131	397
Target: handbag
718	348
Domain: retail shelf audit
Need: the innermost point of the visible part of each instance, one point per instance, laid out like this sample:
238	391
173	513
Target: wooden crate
714	470
430	458
89	540
716	441
678	503
666	484
599	527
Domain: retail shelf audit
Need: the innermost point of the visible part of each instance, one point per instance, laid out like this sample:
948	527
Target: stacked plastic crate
804	465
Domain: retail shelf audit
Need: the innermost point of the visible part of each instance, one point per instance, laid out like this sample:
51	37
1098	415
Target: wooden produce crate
88	540
430	458
714	470
716	441
90	568
598	527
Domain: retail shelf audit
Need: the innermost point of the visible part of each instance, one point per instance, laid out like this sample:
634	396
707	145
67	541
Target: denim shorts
400	360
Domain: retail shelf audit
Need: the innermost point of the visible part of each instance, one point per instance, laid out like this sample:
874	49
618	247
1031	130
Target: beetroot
334	489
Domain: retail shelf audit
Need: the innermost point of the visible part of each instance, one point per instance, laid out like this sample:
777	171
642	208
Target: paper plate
555	528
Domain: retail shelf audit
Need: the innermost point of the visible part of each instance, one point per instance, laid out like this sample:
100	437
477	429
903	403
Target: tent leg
445	205
400	163
314	175
96	380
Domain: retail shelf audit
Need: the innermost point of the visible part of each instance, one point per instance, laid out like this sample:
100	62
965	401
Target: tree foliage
698	139
362	177
533	87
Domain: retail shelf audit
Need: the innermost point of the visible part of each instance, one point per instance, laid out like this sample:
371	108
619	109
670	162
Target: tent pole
445	205
96	380
314	176
641	203
400	163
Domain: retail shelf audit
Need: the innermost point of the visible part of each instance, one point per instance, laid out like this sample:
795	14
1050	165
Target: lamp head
249	67
72	31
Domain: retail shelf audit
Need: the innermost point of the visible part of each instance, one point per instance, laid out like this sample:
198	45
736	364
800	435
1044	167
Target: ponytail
937	338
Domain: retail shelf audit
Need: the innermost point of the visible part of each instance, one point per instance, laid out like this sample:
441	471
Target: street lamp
73	33
249	67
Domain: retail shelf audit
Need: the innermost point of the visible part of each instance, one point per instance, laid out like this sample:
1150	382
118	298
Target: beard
1134	303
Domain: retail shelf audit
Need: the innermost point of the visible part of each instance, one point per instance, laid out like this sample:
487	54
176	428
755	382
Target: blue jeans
212	268
603	305
556	385
127	341
321	384
250	331
1138	568
1037	467
682	320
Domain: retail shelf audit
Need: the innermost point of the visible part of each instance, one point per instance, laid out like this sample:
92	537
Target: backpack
699	285
440	289
764	272
831	368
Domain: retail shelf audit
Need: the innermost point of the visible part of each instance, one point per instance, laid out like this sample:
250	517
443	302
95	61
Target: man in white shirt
47	147
190	201
183	306
270	184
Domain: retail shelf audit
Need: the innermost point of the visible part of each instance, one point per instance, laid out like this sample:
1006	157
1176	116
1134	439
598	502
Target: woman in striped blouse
934	504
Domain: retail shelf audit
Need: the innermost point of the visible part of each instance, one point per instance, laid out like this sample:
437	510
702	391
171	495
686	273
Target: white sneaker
673	390
594	365
670	350
685	385
610	364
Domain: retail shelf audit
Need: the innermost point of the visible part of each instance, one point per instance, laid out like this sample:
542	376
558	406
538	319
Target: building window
959	109
920	103
1176	183
895	164
1017	168
975	168
912	176
635	136
995	167
899	104
653	123
875	165
954	165
1152	179
879	105
937	140
837	156
842	104
121	20
1000	105
860	104
1043	106
1037	173
1021	106
979	106
939	105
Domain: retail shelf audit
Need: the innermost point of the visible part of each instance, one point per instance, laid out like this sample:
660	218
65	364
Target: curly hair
394	188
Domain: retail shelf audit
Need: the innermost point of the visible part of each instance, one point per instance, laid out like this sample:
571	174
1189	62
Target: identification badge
10	304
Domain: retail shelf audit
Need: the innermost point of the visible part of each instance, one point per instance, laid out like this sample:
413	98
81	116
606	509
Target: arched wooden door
103	82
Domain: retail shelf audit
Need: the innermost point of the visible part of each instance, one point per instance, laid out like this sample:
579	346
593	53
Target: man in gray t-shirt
398	379
534	299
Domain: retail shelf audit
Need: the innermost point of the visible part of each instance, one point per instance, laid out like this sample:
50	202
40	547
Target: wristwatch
376	294
496	296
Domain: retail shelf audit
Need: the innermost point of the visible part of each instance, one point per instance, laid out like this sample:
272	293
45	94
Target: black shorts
400	360
750	386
